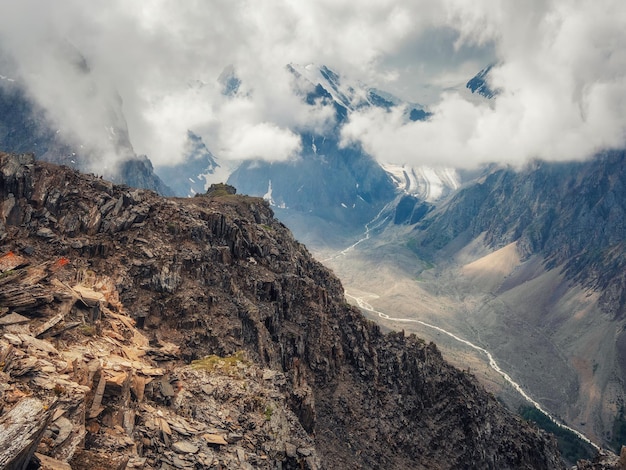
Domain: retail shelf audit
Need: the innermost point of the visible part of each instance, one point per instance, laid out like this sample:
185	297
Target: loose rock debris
82	387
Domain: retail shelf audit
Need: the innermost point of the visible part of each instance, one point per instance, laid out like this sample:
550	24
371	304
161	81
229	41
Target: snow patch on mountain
218	173
269	198
343	94
427	183
268	195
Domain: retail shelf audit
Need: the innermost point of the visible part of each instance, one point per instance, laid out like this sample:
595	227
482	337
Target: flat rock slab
215	439
11	261
48	463
20	431
184	447
13	319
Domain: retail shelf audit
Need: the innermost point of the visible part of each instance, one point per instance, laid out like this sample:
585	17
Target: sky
560	69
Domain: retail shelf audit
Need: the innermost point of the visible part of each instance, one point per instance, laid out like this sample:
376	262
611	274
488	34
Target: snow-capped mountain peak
352	95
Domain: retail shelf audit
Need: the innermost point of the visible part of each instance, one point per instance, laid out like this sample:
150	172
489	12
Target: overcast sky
561	73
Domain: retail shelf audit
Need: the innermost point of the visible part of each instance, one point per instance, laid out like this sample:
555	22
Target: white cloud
562	82
561	73
265	141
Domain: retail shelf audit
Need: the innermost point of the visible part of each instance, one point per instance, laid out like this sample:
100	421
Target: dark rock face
216	275
479	83
139	173
410	210
572	213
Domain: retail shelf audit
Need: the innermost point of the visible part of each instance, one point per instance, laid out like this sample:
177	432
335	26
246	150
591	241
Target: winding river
492	362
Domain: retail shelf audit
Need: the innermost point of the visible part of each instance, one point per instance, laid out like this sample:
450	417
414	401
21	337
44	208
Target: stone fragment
290	450
184	447
48	463
10	261
21	430
165	427
89	297
269	374
13	319
136	462
64	427
166	388
24	366
181	463
21	329
138	386
45	232
205	459
214	439
39	344
13	339
96	460
96	407
54	320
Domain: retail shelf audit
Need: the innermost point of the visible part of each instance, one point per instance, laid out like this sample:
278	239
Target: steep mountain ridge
573	214
195	174
213	275
479	84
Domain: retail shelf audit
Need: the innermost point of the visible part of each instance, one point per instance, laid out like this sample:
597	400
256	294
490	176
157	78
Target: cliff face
214	276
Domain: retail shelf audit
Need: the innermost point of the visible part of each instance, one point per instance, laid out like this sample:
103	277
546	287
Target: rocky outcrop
604	461
201	279
80	383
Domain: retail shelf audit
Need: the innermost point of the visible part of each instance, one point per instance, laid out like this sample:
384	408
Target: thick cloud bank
562	90
561	74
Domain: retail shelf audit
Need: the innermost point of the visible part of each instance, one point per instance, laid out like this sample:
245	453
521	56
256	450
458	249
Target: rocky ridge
110	294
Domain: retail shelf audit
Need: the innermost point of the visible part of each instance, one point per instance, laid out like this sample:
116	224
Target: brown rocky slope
100	271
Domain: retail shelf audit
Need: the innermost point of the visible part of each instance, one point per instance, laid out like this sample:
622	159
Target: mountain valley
526	264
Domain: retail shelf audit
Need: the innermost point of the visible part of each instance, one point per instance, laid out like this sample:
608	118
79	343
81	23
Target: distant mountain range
572	214
340	185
